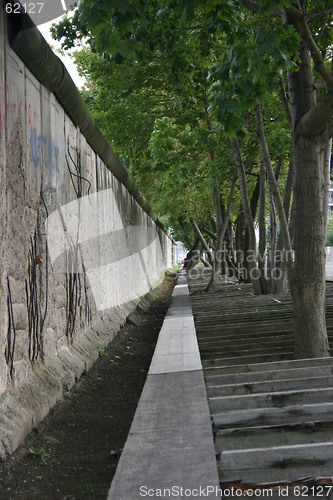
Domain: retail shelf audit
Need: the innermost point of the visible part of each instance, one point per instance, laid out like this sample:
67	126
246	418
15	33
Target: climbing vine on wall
87	308
76	176
11	333
73	278
46	271
73	290
31	288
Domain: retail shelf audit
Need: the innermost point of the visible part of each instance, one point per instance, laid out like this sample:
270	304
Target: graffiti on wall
12	113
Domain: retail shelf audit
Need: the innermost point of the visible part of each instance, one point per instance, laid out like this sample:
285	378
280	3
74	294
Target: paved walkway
329	271
170	452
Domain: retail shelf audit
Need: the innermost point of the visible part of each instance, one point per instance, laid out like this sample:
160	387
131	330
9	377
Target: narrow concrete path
329	271
273	416
169	452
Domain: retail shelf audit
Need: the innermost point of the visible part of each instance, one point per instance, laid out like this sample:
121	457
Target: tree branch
202	239
316	15
254	6
285	104
210	233
244	191
294	12
251	5
253	175
330	128
306	35
223	228
314	122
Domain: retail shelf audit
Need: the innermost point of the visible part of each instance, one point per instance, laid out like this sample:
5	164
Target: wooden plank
262	367
263	437
227	317
251	359
256	355
215	333
271	399
247	322
247	352
291	415
277	464
249	340
264	376
233	347
270	386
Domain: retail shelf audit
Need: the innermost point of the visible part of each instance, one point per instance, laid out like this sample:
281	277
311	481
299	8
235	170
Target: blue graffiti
40	148
53	154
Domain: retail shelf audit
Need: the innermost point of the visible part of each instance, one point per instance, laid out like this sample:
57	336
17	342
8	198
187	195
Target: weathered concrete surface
54	321
170	443
177	347
329	270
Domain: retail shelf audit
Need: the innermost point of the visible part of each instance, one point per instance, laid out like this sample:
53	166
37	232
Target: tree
311	151
251	47
312	132
166	111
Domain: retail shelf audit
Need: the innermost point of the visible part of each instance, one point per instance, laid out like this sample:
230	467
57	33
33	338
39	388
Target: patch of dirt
73	454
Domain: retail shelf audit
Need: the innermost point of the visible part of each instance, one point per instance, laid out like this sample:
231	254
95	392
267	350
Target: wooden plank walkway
272	416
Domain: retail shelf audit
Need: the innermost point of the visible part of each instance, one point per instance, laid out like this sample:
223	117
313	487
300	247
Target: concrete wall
53	321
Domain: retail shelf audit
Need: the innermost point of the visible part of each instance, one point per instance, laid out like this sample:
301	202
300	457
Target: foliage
155	117
102	352
39	452
168	81
217	61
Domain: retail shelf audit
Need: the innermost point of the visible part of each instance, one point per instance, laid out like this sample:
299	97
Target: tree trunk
275	192
222	227
262	230
203	242
240	241
272	249
192	259
327	173
281	264
230	243
205	262
309	244
251	254
310	192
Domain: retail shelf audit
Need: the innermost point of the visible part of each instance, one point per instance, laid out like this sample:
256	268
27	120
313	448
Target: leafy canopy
169	81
